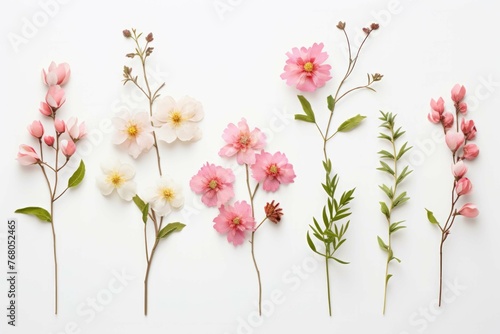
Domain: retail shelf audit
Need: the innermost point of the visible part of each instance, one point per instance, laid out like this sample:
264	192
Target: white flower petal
187	131
127	171
104	186
166	133
163	108
127	190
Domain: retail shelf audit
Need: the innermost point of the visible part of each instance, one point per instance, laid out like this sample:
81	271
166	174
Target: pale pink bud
27	155
468	128
59	125
448	119
459	169
438	105
68	147
76	131
36	129
434	117
454	140
469	210
463	187
56	74
49	140
55	97
457	93
462	107
471	151
45	109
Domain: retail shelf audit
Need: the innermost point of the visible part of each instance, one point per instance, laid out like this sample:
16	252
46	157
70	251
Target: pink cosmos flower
457	93
55	97
454	140
76	131
214	183
464	186
468	210
459	169
59	125
27	155
68	147
45	109
36	129
272	170
468	128
304	68
56	74
49	140
242	142
438	106
134	132
471	151
235	221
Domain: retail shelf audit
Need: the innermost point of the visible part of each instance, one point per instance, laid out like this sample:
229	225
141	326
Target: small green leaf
331	102
385	210
311	243
386	154
403	175
351	123
401	199
306	106
40	213
172	227
388	191
304	118
385	168
396	226
145	212
388	278
386	137
382	244
339	261
77	176
431	218
403	150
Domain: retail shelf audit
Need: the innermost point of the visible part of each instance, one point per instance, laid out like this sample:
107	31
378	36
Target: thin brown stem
146	278
258	273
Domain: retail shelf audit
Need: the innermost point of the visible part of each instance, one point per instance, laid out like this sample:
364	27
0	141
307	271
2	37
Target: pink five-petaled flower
468	128
56	74
471	151
68	147
134	132
454	140
214	183
76	131
36	129
463	187
55	97
468	210
458	93
242	142
235	220
459	169
304	68
272	170
45	109
27	155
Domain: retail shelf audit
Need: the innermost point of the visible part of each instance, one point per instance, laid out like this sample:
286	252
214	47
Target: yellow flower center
213	184
308	67
132	130
176	118
244	140
236	221
116	179
168	194
273	169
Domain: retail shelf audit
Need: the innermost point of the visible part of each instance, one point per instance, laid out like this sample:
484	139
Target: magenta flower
468	128
471	151
457	93
36	129
27	155
56	74
304	68
272	170
464	186
235	221
242	142
55	97
214	183
468	210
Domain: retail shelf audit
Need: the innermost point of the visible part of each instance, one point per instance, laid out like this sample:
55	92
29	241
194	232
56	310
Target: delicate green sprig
394	199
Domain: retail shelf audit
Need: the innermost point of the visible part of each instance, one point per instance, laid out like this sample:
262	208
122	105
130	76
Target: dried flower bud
273	212
377	77
366	30
341	25
149	37
127	33
374	26
126	71
149	51
130	55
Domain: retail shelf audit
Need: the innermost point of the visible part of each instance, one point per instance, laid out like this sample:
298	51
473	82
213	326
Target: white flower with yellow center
117	176
133	131
178	120
164	196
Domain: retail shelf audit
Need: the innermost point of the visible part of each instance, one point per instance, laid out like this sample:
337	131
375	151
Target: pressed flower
27	155
214	183
273	212
235	220
165	196
242	142
272	170
56	74
134	132
117	176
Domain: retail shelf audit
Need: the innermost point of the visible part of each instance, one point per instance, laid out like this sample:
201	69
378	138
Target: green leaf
40	213
139	202
396	226
388	278
398	133
385	168
385	210
384	136
382	244
431	218
401	199
77	176
403	175
403	150
388	191
351	123
339	261
172	227
145	212
386	154
311	243
331	102
304	118
306	106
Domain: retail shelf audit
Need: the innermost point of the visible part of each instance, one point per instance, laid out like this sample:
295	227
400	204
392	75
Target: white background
231	61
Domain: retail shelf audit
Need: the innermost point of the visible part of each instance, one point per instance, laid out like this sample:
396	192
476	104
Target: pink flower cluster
215	183
458	132
54	78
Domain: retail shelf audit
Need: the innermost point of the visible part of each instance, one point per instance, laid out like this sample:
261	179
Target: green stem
328	286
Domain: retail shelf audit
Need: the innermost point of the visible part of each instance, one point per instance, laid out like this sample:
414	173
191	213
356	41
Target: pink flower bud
454	140
68	147
56	74
468	128
59	125
463	187
45	109
457	93
36	129
469	210
49	140
462	107
76	131
471	151
459	169
27	155
447	119
434	117
438	105
55	97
